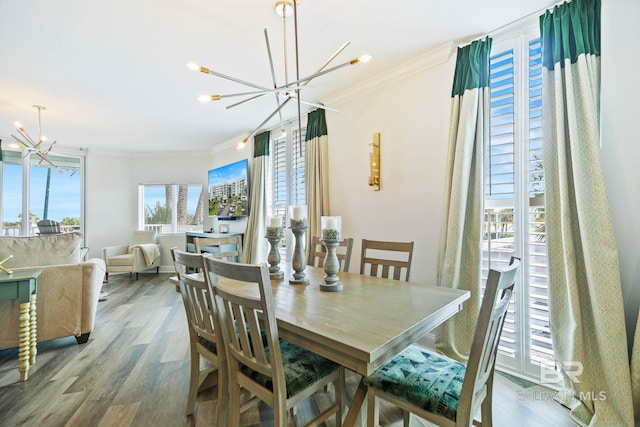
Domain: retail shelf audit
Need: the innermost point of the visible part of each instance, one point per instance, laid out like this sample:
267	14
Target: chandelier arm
295	27
269	117
332	57
277	90
313	104
44	157
53	144
233	79
23	143
245	100
26	136
303	80
273	75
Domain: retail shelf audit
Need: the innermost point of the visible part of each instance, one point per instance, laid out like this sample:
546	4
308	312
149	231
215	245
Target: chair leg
372	409
340	395
234	404
106	276
136	276
194	377
222	406
486	409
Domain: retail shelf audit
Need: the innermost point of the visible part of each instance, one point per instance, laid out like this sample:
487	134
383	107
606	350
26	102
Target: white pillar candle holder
274	236
331	227
298	225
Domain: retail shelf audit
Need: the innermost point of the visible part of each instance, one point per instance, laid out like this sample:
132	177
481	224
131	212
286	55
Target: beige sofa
68	288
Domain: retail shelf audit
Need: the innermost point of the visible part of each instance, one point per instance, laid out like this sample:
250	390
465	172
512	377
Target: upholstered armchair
141	254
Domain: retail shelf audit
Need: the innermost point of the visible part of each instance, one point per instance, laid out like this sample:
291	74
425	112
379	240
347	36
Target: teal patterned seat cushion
301	369
210	345
422	378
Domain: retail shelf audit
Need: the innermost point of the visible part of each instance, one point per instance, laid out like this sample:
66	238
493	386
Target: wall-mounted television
228	190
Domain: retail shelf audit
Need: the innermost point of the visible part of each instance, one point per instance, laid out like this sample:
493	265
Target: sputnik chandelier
37	147
283	93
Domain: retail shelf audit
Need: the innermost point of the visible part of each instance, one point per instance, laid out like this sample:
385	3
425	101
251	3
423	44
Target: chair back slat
247	316
399	261
493	312
317	253
196	296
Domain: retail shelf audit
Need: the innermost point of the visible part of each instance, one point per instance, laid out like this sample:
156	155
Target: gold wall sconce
374	163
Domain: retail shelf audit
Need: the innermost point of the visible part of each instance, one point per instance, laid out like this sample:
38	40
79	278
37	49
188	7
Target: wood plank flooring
134	371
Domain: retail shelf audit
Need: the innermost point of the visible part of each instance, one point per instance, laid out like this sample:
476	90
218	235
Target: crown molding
420	63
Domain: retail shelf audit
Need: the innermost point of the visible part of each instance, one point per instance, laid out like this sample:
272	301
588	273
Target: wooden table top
370	321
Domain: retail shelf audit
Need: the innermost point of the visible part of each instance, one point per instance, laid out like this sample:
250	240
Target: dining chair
198	305
229	247
279	373
397	256
317	252
442	390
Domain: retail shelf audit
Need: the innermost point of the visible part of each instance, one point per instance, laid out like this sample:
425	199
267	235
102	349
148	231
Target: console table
22	285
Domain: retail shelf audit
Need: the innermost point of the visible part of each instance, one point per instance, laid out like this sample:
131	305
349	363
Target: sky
64	193
228	173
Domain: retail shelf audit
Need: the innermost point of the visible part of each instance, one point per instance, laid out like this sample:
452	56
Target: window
514	200
171	208
287	174
44	193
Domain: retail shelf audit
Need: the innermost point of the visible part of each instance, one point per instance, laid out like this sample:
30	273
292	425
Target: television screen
228	190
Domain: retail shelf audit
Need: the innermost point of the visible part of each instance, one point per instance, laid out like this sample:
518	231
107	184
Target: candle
299	212
332	223
275	221
330	226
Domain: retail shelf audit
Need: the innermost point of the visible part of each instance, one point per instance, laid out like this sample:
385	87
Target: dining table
363	326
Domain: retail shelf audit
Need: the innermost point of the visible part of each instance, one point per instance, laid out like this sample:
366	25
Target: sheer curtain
316	171
586	309
460	243
255	245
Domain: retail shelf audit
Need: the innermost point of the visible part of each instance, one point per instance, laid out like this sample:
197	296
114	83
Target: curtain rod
502	27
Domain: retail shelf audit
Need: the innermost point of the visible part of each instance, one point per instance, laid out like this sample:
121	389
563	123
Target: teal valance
472	66
261	144
316	124
569	30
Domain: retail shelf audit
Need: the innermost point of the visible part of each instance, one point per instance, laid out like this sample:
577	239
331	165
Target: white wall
412	117
112	194
621	140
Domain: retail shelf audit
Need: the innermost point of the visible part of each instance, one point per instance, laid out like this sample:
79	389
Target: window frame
518	38
26	161
290	140
173	226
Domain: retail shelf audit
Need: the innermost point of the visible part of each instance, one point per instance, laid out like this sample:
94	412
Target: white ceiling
112	73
